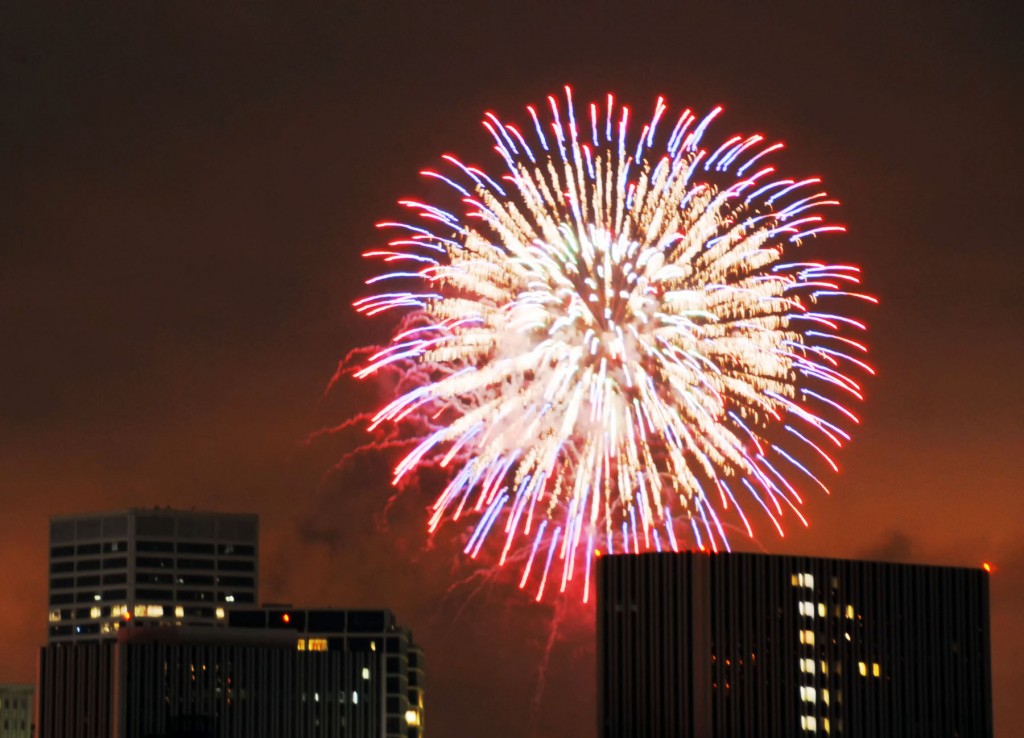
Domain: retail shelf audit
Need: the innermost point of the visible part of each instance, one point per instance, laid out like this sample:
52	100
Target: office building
271	672
695	645
148	567
131	653
16	711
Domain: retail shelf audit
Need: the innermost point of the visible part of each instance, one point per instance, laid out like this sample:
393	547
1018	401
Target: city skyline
187	193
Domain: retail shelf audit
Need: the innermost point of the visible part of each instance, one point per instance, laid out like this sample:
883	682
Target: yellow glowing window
796	580
863	668
366	673
317	644
807	637
95	612
179	611
412	718
828	728
824	696
876	670
824	667
220	613
300	645
54	616
849	612
821	609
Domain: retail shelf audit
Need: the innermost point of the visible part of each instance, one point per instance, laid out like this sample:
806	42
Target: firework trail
613	354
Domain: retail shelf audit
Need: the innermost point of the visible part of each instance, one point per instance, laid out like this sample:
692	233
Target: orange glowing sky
186	192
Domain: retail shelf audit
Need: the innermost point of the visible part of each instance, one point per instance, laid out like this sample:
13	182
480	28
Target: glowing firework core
608	335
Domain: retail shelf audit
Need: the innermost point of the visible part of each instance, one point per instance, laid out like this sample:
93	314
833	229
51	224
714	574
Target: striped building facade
268	673
755	646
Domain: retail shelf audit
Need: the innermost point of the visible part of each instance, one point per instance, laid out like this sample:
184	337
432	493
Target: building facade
131	652
268	673
730	645
16	717
150	567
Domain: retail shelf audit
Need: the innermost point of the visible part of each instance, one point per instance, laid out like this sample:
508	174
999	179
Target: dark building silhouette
174	648
271	672
727	645
16	711
148	567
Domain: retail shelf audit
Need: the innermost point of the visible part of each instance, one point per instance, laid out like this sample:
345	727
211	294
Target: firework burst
613	353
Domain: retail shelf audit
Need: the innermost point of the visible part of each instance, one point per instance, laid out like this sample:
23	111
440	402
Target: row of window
152	562
88	549
92	580
181	595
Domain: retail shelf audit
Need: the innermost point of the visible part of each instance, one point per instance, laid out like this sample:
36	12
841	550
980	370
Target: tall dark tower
728	645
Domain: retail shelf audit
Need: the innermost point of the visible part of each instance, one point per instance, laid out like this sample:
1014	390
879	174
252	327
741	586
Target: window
152	562
194	595
88	580
117	562
876	669
62	583
236	549
223	565
153	594
154	578
317	644
862	668
849	612
58	551
234	581
152	546
119	578
87	549
195	548
195	563
194	579
88	565
59	567
807	637
114	546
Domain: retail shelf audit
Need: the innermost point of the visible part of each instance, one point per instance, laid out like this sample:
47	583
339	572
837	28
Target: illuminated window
849	612
807	637
366	673
300	645
373	645
821	609
824	696
355	698
95	613
412	718
808	723
54	616
827	726
317	644
219	612
149	611
809	583
179	612
876	669
796	579
808	694
863	668
824	667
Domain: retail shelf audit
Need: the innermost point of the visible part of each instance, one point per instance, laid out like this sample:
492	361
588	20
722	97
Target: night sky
185	193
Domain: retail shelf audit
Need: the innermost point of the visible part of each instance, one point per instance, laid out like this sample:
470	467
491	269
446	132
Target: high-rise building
16	711
701	645
272	672
148	567
131	653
